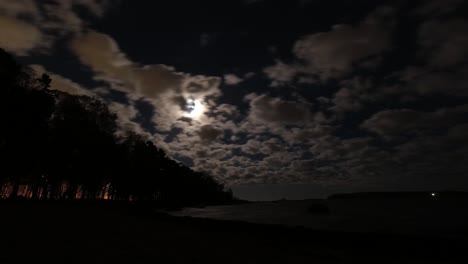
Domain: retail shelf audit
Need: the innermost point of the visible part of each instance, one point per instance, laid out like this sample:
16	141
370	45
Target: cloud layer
357	102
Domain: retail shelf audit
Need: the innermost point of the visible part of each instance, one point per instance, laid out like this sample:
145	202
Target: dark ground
40	232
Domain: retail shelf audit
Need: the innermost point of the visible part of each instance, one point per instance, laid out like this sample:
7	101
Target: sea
432	216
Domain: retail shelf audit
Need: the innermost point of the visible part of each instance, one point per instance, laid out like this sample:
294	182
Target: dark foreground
119	233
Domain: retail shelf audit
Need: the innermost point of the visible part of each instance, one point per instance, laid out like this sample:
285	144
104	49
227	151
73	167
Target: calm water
431	217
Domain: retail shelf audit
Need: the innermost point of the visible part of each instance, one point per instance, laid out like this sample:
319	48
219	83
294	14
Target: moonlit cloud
19	37
232	79
195	109
29	25
171	92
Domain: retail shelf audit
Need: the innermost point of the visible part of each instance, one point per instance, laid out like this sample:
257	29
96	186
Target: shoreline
133	232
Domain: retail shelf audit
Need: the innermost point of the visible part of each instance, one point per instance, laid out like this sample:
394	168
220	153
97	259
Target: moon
195	108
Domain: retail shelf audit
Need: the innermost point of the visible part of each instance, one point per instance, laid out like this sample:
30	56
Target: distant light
433	194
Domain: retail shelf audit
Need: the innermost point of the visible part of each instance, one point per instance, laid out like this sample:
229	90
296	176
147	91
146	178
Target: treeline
56	146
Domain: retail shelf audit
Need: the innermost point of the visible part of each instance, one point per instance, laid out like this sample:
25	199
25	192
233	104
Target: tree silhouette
58	146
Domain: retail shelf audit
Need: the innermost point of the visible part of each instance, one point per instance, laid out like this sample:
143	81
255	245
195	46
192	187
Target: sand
41	232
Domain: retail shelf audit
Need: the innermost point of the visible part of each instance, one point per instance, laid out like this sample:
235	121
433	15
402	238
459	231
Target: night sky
294	99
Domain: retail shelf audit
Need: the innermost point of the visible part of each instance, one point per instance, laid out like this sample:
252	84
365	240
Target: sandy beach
38	232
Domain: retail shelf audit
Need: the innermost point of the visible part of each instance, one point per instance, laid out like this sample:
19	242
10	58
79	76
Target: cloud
346	120
406	122
96	7
208	133
307	135
439	7
441	65
200	85
276	111
281	73
102	54
426	82
232	79
29	25
396	122
433	37
252	147
126	115
352	95
205	39
61	15
335	53
19	37
160	85
16	8
435	161
63	84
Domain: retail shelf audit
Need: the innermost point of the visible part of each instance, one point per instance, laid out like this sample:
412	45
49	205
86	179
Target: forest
57	146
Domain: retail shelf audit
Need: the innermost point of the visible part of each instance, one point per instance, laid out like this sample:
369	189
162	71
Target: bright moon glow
433	194
194	108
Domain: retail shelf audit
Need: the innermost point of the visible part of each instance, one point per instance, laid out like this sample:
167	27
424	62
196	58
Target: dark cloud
252	147
436	8
444	42
390	123
426	82
205	39
208	133
396	122
435	161
276	111
336	52
281	73
352	95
